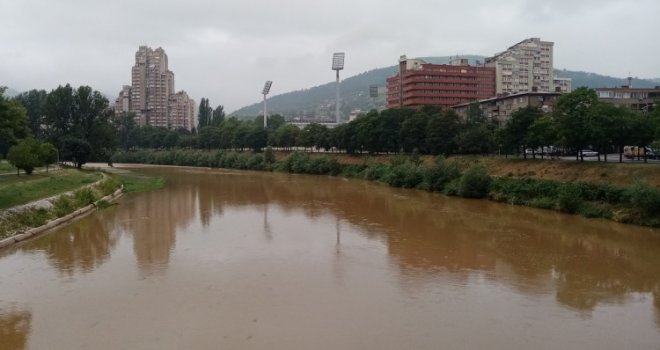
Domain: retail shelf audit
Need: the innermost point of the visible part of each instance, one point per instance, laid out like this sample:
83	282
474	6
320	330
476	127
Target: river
247	260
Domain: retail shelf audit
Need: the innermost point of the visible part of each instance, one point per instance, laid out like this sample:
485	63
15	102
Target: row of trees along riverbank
79	123
638	203
580	120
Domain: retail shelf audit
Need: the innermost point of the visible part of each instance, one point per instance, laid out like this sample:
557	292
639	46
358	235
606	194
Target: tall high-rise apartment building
525	67
152	96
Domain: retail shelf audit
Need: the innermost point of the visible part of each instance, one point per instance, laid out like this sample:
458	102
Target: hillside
318	102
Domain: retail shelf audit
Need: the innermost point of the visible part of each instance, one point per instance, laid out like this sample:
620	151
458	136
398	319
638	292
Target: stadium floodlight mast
337	65
265	92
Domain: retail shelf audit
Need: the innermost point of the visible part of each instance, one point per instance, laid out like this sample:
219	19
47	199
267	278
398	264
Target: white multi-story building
525	67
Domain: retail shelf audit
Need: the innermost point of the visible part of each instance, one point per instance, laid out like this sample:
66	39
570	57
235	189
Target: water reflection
278	257
153	220
14	328
584	262
80	247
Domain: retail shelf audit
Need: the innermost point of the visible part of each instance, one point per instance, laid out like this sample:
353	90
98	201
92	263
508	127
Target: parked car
632	152
588	153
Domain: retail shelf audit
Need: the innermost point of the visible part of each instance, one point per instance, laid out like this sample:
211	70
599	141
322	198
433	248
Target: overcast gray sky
226	49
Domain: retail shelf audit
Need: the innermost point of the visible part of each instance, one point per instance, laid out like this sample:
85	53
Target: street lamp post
337	65
265	92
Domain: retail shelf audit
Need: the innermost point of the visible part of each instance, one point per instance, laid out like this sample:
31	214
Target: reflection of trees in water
84	245
587	261
153	220
14	329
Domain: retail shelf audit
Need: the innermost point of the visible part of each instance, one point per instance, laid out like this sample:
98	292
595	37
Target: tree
542	132
47	154
256	138
83	119
13	123
413	133
209	137
171	139
441	132
573	112
127	130
205	113
25	155
518	125
78	150
218	115
34	102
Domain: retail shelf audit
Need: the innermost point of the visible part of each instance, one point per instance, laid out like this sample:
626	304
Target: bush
645	198
109	185
408	175
543	203
475	183
84	197
25	155
569	200
451	188
63	206
440	174
256	162
269	155
374	172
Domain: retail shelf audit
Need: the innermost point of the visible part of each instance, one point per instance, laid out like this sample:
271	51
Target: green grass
17	190
134	182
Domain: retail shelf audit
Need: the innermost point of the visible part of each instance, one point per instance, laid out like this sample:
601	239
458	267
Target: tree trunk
620	154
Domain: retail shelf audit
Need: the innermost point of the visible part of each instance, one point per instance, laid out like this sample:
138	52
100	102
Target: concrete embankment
33	232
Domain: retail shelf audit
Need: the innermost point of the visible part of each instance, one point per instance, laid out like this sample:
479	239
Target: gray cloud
225	50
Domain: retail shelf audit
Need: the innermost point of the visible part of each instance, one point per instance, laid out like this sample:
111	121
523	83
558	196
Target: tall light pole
337	65
265	92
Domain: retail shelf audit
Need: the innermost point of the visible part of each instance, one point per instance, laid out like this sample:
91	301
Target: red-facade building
421	84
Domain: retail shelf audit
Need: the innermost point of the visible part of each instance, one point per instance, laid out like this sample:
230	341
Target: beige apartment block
150	95
524	67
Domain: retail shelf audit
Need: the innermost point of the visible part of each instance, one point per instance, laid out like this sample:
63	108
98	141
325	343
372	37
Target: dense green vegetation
19	190
638	203
77	122
580	120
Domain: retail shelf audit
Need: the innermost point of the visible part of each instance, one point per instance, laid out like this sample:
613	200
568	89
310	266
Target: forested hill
318	101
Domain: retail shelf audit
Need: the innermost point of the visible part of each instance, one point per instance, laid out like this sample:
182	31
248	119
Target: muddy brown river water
246	260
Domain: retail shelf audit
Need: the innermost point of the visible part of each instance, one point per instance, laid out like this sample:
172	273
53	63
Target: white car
588	153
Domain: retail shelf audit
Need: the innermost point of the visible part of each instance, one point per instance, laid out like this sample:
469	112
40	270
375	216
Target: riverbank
16	190
591	190
22	221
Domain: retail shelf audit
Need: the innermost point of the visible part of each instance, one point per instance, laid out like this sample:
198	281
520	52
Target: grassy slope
611	173
17	190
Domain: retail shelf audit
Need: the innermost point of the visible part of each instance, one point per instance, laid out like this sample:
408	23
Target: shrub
451	188
256	162
63	206
542	202
84	197
475	183
269	155
569	200
109	185
439	174
645	198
